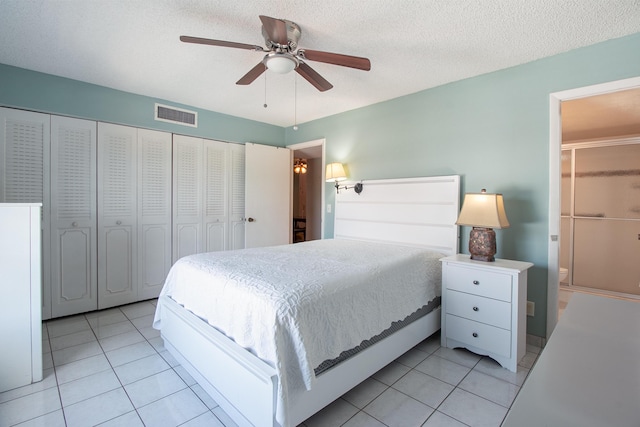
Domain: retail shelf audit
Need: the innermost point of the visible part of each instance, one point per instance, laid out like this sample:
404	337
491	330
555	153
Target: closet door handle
74	224
476	282
118	222
475	334
475	308
250	219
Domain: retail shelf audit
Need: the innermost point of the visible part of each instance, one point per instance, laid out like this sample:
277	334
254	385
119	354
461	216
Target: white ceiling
133	45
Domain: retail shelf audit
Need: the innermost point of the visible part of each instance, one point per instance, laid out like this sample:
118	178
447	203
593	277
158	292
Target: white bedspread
295	306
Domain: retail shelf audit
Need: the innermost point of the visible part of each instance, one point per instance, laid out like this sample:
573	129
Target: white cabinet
73	216
20	305
484	307
134	213
208	196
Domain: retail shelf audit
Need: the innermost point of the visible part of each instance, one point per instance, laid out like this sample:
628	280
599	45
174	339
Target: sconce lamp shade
335	172
484	212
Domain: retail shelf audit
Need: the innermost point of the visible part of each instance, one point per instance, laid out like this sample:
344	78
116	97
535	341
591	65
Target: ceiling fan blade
198	40
313	77
336	59
253	74
276	29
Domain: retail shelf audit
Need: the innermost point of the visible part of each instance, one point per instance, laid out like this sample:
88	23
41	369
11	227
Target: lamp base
482	244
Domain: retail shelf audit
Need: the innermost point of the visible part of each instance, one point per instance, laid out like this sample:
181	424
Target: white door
116	215
267	195
73	216
154	211
24	174
187	196
215	196
236	200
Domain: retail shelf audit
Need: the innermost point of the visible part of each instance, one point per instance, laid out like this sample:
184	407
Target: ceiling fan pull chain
295	102
265	90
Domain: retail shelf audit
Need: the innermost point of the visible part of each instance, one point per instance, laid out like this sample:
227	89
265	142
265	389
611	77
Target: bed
272	355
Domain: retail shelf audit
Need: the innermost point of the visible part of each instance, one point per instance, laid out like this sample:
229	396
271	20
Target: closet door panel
116	215
187	196
236	200
154	211
216	195
73	216
24	175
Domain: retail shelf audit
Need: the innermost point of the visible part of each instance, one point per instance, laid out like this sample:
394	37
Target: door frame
314	143
555	152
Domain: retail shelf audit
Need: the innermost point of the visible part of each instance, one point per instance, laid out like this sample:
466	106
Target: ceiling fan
281	38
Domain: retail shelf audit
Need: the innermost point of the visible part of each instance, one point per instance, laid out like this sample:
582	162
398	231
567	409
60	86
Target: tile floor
110	368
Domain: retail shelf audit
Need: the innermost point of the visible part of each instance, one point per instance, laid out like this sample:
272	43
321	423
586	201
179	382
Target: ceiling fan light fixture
281	63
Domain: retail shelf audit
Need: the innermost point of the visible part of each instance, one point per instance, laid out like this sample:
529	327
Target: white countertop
589	372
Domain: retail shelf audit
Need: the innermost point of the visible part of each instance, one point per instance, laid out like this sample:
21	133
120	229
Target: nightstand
484	307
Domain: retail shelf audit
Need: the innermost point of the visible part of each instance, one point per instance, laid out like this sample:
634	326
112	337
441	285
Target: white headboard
411	211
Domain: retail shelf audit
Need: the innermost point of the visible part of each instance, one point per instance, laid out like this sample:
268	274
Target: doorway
555	172
307	195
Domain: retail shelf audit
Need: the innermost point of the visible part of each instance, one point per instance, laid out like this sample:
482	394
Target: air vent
165	113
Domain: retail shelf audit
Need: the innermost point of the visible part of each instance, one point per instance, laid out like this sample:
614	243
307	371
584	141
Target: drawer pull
475	335
475	308
475	282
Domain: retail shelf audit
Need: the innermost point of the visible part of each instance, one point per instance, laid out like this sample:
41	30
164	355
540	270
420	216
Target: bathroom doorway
594	122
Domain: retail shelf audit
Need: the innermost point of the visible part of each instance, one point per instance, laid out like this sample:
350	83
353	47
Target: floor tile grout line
117	377
148	339
172	368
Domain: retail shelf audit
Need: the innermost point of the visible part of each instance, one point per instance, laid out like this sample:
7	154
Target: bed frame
414	211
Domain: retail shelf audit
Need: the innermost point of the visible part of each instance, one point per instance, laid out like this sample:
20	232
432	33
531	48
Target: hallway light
484	212
300	166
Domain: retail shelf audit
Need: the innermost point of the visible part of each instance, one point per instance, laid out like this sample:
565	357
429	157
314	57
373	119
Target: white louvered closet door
117	217
236	202
24	174
215	196
187	196
73	216
154	211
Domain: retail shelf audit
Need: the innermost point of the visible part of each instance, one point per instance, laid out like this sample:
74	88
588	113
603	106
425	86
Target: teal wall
493	130
35	91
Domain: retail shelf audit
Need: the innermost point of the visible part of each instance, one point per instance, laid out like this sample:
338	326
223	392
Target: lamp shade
335	172
483	210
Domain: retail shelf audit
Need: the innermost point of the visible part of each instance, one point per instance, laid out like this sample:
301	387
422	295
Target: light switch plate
531	308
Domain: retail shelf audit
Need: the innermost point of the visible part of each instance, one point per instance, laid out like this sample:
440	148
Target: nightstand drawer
474	281
479	309
485	337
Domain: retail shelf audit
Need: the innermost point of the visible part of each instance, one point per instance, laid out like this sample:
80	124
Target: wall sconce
484	212
335	172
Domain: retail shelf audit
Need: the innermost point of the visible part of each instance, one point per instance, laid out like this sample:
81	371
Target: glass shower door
606	218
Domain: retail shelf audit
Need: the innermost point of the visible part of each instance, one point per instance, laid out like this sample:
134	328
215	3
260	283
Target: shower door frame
573	147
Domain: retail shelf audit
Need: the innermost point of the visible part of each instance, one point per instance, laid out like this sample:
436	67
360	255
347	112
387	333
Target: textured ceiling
133	45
